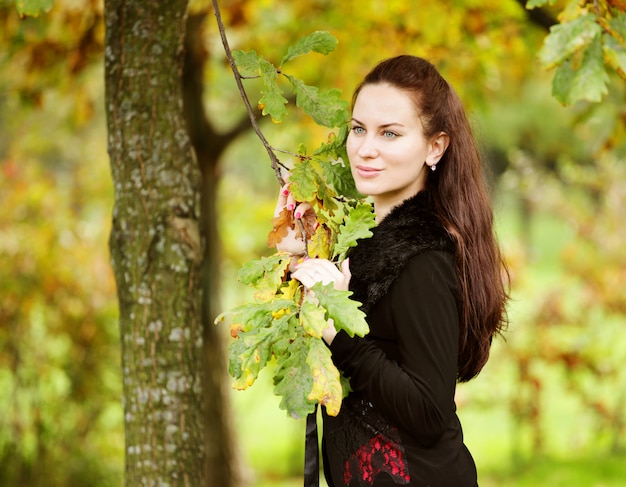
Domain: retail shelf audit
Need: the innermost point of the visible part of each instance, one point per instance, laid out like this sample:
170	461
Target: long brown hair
462	203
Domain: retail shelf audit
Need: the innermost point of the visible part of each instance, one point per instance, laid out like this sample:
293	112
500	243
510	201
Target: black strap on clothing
311	452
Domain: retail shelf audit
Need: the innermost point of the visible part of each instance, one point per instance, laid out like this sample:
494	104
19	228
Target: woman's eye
358	130
389	135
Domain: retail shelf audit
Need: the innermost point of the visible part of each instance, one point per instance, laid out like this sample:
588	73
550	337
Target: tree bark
156	243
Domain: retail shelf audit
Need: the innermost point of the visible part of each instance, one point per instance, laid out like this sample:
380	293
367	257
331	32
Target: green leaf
236	350
614	53
326	388
265	329
303	181
325	108
357	225
286	329
321	42
266	272
337	174
312	318
336	144
272	102
248	355
249	315
307	184
247	62
293	380
259	314
337	218
618	27
33	7
336	169
325	192
588	81
344	311
566	39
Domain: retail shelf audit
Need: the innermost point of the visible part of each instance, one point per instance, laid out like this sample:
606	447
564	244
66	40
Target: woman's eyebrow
383	126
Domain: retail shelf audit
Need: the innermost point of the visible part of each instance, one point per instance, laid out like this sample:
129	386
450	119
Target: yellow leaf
289	291
312	318
326	381
319	245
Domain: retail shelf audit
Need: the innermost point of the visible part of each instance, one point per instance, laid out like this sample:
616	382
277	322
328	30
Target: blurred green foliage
60	412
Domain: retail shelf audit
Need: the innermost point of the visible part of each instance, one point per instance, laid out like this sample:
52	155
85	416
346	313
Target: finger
319	270
309	273
305	277
281	202
291	202
326	267
315	266
302	209
326	271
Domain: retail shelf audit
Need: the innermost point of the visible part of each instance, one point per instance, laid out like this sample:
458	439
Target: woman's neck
383	206
381	211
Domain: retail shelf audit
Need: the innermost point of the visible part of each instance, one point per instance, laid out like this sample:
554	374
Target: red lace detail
380	455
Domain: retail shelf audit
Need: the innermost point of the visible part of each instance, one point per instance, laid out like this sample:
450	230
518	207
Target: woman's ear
438	145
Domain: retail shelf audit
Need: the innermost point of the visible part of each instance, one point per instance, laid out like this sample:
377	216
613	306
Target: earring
433	168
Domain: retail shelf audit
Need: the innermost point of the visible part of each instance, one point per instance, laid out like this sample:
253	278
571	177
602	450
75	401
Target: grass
550	472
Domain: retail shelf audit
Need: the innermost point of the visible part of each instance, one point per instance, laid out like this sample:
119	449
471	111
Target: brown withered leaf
309	221
281	225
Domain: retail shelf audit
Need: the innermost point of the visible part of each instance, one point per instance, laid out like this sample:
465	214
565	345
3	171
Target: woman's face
386	146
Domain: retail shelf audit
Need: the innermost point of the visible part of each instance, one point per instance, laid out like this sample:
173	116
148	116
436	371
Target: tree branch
539	16
276	164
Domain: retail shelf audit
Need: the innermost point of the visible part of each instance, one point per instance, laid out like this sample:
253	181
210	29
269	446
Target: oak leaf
326	388
280	227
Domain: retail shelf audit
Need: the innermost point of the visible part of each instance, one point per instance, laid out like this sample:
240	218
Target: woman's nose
367	149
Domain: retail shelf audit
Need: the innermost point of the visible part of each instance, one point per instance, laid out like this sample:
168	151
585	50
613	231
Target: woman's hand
293	242
312	271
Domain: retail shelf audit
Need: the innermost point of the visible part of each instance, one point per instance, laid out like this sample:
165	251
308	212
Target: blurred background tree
553	388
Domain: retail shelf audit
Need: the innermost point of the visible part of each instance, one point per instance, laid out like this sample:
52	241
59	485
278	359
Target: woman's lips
367	172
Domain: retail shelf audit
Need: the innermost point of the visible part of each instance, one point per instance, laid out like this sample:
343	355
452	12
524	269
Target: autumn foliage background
549	407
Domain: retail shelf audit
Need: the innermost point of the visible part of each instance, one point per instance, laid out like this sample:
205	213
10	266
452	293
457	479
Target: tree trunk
155	243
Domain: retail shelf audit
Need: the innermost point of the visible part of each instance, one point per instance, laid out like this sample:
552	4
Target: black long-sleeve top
399	425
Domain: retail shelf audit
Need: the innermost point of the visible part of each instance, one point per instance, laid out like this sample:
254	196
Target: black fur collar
409	229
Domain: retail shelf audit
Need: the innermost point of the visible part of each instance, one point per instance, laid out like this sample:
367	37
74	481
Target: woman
430	280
